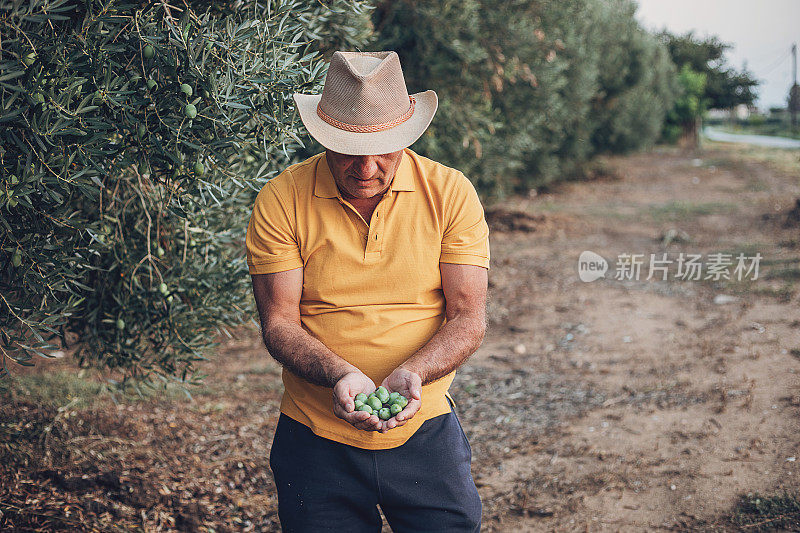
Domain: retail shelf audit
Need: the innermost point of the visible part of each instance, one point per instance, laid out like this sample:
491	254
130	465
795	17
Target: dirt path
665	406
612	405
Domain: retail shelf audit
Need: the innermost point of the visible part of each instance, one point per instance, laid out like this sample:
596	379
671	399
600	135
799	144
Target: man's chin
362	193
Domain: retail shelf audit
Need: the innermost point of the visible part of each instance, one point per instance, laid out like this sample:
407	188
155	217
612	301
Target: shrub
528	91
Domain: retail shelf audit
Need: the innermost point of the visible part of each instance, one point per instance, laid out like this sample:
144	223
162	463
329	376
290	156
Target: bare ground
614	405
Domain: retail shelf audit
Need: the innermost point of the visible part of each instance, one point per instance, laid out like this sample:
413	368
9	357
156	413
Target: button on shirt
372	290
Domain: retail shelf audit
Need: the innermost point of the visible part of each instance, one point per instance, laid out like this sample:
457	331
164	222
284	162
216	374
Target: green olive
361	397
199	169
375	403
152	85
149	52
357	404
385	414
160	252
186	89
169	299
402	401
382	394
163	289
120	324
141	131
16	258
364	407
395	408
393	397
190	110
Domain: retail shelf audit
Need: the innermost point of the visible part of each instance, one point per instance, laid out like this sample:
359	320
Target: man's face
363	176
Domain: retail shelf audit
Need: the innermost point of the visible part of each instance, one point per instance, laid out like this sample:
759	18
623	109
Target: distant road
713	134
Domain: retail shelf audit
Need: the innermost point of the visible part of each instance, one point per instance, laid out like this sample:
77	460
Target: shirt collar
325	185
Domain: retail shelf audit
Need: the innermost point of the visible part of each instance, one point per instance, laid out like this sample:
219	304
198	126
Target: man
369	267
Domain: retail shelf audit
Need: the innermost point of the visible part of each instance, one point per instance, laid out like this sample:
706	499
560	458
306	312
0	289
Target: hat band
367	128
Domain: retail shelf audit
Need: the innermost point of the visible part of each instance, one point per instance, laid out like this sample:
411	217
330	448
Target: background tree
724	87
637	81
684	118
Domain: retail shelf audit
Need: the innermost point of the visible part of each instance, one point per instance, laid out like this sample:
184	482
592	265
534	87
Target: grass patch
677	210
53	389
750	249
80	390
792	274
756	185
612	211
780	261
786	268
778	158
768	513
770	129
784	293
546	206
719	163
610	215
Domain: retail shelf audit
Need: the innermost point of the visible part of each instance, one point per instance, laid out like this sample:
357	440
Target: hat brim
380	142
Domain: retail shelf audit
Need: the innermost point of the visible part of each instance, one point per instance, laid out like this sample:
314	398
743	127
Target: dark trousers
424	485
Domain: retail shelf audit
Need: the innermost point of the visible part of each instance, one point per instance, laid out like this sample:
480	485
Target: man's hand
409	384
344	393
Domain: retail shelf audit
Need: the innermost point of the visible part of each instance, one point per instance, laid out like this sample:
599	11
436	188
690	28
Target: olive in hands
381	403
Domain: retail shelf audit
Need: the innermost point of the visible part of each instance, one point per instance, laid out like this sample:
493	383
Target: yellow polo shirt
372	290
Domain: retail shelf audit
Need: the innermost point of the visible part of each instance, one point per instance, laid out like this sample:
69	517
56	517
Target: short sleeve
466	233
271	237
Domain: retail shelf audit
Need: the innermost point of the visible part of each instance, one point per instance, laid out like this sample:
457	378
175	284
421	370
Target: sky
761	32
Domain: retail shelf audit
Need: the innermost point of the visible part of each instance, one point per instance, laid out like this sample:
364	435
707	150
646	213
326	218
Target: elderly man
369	266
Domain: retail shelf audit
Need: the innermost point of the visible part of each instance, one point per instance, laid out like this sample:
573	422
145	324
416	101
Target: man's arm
278	301
277	298
465	288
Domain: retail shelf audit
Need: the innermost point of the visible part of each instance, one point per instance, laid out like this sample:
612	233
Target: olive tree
134	138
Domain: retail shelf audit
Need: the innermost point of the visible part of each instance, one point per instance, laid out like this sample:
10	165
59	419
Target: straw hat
365	108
